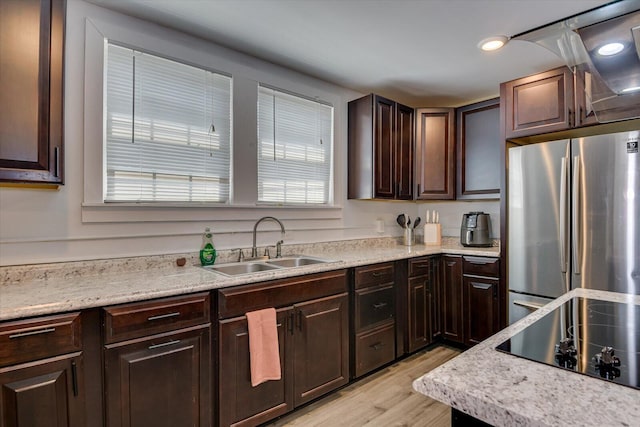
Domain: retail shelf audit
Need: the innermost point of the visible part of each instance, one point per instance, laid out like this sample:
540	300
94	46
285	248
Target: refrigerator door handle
563	215
528	304
575	208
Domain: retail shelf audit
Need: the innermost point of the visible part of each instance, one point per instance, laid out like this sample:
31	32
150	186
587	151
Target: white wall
44	225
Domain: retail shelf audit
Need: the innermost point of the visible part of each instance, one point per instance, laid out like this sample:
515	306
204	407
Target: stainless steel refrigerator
573	219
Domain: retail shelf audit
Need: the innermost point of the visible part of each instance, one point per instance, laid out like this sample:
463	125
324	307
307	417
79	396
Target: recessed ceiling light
493	43
610	49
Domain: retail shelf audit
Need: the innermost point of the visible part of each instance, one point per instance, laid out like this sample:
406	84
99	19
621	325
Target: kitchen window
295	149
167	130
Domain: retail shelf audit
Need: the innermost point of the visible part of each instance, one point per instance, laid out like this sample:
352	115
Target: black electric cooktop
592	337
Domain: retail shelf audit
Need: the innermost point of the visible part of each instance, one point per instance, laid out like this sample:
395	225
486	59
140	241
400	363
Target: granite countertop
505	390
45	289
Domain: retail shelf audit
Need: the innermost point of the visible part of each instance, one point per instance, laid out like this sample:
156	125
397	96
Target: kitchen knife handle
563	215
575	216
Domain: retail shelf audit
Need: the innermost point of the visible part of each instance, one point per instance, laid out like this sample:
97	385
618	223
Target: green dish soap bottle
208	251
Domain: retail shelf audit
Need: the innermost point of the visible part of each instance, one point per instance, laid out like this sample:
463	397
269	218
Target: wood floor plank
385	398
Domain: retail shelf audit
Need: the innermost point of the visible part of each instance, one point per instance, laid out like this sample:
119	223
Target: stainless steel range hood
611	81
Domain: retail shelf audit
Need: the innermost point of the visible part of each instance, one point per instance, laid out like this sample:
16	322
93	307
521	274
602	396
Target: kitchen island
505	390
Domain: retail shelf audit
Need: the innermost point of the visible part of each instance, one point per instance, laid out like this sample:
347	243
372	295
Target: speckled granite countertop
52	288
506	390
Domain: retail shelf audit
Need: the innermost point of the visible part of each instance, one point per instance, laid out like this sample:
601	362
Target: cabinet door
481	304
46	393
539	104
383	143
435	153
420	303
404	152
240	403
31	48
436	298
478	144
452	325
160	381
321	347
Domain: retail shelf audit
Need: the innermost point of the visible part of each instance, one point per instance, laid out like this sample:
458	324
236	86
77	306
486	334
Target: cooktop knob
566	354
606	363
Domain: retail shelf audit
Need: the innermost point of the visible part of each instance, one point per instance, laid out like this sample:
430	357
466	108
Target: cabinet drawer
419	266
374	305
25	340
481	266
128	321
375	348
374	275
237	301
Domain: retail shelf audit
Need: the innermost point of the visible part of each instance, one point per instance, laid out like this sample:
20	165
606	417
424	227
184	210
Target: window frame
331	153
153	182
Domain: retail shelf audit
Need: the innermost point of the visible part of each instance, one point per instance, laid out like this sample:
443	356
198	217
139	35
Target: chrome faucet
254	249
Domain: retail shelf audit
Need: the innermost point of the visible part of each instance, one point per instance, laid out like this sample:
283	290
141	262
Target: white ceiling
418	52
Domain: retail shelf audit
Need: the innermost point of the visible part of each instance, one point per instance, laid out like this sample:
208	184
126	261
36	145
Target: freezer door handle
575	217
563	215
528	304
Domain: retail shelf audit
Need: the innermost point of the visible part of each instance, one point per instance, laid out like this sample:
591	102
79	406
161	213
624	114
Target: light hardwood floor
385	398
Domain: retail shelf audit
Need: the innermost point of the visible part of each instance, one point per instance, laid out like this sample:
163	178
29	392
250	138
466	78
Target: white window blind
295	149
167	130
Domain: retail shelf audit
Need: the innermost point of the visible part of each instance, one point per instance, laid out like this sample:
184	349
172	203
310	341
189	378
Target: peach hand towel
263	346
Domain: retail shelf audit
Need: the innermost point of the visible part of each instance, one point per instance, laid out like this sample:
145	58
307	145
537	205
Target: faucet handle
240	254
266	251
279	248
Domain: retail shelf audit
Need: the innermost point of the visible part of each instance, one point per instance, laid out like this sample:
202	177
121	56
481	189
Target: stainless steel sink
237	268
248	267
297	261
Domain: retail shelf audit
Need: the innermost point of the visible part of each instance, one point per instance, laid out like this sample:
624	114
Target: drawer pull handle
164	344
74	377
290	323
377	346
28	334
378	274
483	286
422	265
379	305
528	304
164	316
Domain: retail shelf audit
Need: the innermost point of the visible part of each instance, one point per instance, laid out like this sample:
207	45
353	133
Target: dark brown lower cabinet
45	393
471	298
424	300
321	347
159	381
482	311
313	337
240	403
374	317
452	307
420	303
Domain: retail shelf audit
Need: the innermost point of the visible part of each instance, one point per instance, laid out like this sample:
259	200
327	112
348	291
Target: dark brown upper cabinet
540	103
31	90
380	149
478	145
435	154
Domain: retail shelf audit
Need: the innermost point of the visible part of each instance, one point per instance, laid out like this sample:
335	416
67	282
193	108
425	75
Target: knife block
432	234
